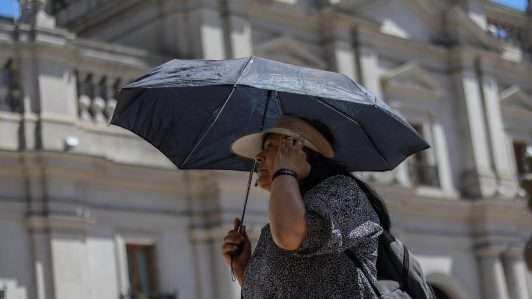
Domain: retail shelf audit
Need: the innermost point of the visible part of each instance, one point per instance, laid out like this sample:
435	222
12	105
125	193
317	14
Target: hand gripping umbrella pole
250	178
254	167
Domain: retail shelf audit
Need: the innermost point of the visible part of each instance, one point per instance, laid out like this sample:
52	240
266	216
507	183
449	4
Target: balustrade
510	33
424	174
96	96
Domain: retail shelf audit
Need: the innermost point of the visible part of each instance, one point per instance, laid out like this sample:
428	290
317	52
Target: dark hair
323	168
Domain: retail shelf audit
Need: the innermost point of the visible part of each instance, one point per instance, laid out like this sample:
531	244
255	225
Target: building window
523	163
523	158
141	266
422	172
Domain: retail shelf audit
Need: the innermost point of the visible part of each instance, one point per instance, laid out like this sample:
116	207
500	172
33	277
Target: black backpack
399	274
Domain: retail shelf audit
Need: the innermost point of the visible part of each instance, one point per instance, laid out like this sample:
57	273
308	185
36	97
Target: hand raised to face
291	155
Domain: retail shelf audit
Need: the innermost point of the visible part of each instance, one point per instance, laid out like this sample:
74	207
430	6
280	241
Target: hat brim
249	146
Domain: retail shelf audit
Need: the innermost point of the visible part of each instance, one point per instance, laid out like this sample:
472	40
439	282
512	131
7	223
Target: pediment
466	31
413	81
287	49
514	98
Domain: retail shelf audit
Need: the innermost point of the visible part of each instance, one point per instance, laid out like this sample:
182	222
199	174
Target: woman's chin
265	184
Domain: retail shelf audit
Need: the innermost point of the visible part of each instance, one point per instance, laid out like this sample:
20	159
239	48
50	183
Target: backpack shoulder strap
406	267
359	265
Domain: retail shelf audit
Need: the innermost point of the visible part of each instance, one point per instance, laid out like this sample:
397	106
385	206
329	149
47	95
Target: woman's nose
259	158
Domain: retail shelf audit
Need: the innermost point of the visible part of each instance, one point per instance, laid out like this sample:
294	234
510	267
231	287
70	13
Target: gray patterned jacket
339	216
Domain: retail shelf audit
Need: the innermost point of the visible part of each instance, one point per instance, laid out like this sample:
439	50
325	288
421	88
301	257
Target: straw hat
249	146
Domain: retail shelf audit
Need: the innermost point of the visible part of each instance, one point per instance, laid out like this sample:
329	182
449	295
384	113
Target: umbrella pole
247	194
271	94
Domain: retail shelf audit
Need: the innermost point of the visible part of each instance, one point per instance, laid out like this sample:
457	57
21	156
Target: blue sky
10	7
517	4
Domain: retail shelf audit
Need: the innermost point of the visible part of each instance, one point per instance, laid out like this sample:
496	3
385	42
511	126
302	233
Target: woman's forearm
287	213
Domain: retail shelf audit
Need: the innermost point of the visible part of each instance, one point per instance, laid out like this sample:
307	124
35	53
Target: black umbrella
192	110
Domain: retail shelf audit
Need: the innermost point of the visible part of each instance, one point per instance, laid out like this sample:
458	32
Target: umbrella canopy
192	110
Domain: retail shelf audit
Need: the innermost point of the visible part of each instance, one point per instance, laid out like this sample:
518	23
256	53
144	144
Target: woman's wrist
285	171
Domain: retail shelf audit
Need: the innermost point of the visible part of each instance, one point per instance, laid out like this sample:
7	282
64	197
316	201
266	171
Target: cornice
356	7
283	13
407	47
466	29
402	199
99	171
516	103
414	73
506	14
218	232
64	224
91	18
286	44
331	17
515	92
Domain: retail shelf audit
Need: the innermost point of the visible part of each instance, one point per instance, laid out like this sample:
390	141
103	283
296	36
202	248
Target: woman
316	211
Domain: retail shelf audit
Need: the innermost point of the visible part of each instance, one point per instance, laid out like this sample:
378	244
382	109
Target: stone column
477	178
368	62
38	232
508	185
204	269
368	76
339	43
207	30
402	175
98	103
84	100
492	277
516	273
110	103
42	263
29	101
4	86
442	158
239	43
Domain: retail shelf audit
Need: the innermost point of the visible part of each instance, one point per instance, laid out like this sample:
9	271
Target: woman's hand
232	241
290	155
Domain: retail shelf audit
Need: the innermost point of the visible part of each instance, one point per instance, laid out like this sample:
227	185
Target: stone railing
104	69
423	174
96	95
510	33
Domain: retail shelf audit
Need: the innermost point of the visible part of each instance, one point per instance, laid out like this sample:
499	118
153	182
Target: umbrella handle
271	94
250	178
239	249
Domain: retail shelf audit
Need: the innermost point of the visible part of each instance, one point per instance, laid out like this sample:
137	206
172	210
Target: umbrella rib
278	100
210	127
218	115
356	122
242	70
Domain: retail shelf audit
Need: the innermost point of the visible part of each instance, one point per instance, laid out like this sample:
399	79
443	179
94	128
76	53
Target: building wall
74	191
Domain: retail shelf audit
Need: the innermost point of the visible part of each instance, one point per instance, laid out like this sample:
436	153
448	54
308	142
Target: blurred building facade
91	211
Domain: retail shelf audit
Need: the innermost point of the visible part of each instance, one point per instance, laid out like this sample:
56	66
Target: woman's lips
262	171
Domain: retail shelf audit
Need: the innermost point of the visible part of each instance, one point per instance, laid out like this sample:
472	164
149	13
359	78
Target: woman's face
266	160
